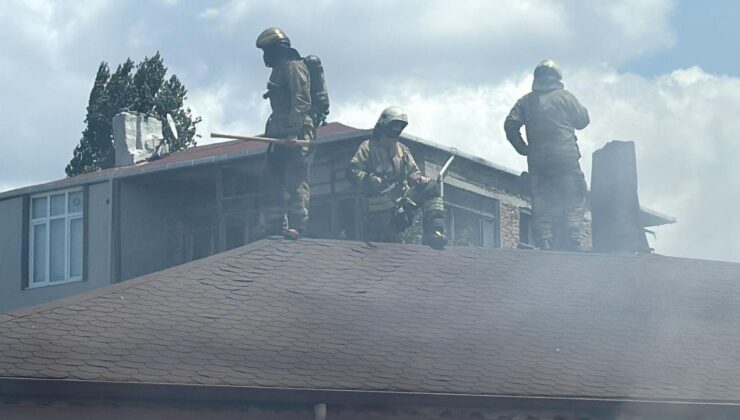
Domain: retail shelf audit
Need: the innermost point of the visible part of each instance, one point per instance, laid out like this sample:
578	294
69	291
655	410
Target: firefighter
550	115
395	189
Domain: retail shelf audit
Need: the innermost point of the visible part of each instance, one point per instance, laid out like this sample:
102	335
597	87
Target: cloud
39	88
457	68
226	110
436	41
684	125
469	118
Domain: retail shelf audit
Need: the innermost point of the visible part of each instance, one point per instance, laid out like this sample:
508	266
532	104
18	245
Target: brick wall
509	225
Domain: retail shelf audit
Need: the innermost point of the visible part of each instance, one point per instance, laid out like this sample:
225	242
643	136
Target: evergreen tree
145	91
147	81
89	152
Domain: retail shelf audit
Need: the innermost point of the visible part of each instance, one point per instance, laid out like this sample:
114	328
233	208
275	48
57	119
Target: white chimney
137	138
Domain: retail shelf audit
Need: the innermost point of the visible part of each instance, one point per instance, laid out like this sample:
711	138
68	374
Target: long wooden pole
286	142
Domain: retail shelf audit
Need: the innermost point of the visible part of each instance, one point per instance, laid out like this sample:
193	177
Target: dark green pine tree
145	91
88	153
170	100
148	80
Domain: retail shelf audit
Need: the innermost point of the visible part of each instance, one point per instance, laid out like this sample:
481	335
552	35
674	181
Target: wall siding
12	294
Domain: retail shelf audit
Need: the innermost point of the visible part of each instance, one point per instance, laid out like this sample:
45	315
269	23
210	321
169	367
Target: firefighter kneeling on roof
395	188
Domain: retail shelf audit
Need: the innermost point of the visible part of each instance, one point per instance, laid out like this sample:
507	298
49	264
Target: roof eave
29	388
456	152
146	169
650	217
130	171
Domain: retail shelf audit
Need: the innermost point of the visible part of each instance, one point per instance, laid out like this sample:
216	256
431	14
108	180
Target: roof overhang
31	388
648	217
154	167
128	172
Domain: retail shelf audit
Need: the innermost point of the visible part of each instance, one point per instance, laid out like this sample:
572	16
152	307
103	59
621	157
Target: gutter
29	388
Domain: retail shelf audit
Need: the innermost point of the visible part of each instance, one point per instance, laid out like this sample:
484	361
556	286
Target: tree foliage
140	88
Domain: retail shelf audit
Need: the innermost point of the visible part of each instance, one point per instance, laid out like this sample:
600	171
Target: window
319	224
347	218
466	229
334	217
236	231
472	219
525	226
55	238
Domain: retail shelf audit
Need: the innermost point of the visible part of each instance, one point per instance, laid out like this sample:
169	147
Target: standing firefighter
551	115
395	188
299	103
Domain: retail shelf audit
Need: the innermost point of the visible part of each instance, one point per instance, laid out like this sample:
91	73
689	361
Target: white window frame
68	218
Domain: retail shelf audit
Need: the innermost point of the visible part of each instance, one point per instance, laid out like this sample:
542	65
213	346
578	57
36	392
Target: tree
145	92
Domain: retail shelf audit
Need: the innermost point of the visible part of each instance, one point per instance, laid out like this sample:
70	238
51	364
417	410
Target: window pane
346	224
319	225
56	250
75	202
473	201
488	227
58	204
75	247
467	228
39	208
202	243
39	253
235	230
525	232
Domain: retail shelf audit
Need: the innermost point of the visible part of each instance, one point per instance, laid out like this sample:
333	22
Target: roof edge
464	155
84	389
131	170
657	218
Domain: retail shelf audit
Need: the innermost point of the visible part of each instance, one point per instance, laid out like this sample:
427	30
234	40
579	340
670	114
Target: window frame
68	218
525	212
482	215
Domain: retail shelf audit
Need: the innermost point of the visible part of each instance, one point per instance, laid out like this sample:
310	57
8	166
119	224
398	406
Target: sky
664	74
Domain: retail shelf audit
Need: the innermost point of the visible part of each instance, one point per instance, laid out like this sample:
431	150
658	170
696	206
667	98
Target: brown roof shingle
384	317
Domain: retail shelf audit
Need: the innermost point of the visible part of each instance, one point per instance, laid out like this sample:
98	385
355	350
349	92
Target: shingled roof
342	315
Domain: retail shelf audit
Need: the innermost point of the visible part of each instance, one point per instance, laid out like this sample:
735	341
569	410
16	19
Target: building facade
77	234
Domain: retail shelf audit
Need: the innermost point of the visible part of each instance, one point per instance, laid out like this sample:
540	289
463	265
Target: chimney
137	138
615	206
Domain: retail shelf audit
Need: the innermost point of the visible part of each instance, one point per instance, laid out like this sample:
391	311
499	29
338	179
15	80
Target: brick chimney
615	206
137	138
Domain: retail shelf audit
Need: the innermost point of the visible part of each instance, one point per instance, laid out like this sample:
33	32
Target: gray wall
99	233
143	229
11	248
12	294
